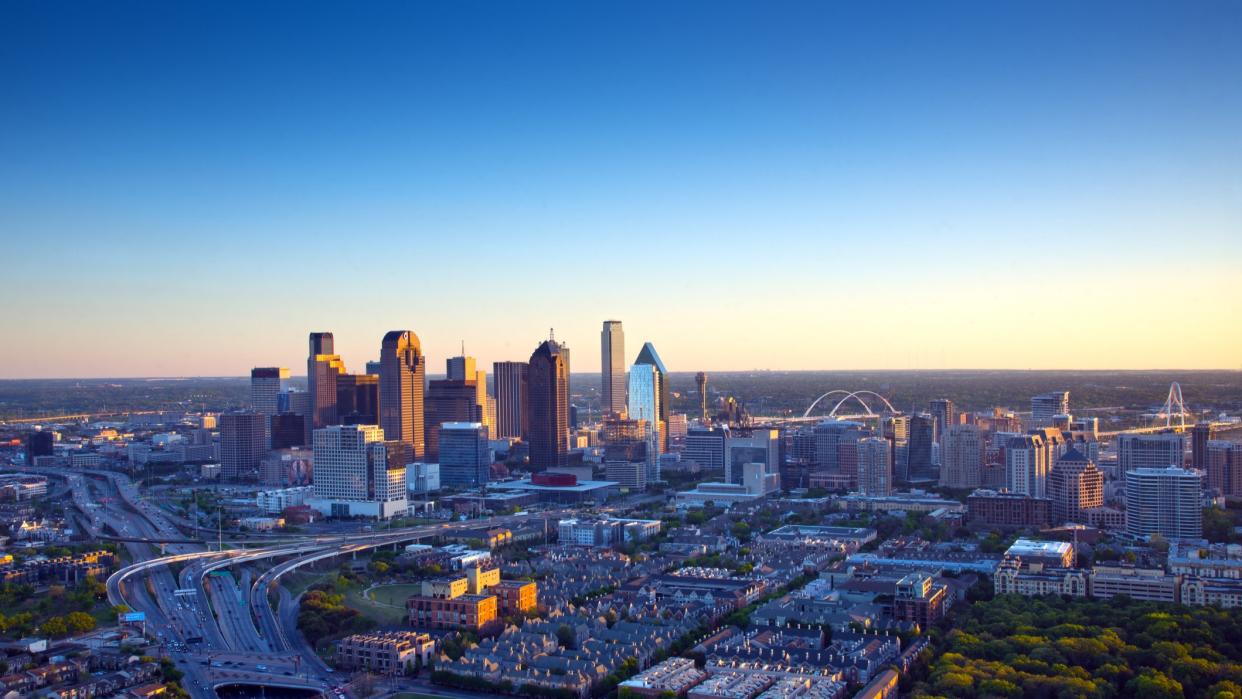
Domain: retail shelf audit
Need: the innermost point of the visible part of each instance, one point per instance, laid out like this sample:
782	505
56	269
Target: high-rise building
288	430
1075	485
461	368
1200	435
706	448
1165	501
875	466
648	355
1223	463
449	400
266	385
1046	406
644	404
920	466
323	367
763	446
299	403
700	380
1150	451
896	429
962	450
1026	465
357	473
357	399
242	444
835	444
612	368
511	416
944	414
547	400
465	460
403	371
39	443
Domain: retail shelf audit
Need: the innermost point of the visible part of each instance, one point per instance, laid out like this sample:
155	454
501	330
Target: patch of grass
395	595
298	583
384	616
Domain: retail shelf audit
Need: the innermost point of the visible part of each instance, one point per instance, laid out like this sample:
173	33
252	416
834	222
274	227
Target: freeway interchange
213	617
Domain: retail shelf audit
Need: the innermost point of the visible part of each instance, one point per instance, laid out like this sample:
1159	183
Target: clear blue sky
189	188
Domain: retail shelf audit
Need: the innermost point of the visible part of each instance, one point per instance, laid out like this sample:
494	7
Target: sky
189	188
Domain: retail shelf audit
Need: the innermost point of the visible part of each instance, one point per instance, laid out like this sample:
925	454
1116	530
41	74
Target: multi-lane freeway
214	618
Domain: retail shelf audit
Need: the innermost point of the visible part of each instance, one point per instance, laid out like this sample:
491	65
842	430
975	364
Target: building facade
612	368
402	377
1164	501
548	407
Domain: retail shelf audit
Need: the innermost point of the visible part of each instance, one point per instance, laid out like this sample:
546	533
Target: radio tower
701	379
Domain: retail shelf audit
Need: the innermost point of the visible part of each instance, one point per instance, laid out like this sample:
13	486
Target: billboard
132	617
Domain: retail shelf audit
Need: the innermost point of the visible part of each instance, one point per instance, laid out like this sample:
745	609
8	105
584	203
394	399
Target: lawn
394	595
379	613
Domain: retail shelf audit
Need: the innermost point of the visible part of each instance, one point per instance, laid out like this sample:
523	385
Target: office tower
1200	435
1046	406
896	429
919	459
242	444
460	368
373	367
1223	463
1150	451
961	457
323	367
403	371
298	403
449	400
678	425
1026	465
1055	444
39	443
1075	484
288	430
266	385
357	399
761	447
644	404
357	473
547	400
648	355
875	466
612	368
465	460
706	448
510	378
835	442
1165	501
700	380
944	414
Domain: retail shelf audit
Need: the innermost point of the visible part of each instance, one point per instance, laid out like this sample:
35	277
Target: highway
213	620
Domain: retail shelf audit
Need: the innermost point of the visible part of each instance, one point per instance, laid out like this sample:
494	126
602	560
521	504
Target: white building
274	502
1165	501
357	473
1150	451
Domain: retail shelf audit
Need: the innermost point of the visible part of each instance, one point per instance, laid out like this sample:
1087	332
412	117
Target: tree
55	627
565	636
80	622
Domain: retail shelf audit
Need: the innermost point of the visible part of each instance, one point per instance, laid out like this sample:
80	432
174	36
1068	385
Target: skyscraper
357	399
1223	462
961	457
612	368
1165	501
511	378
357	473
1075	484
243	442
1045	406
706	448
266	385
1150	451
875	466
1200	435
547	399
763	446
644	404
648	355
403	370
922	435
943	414
460	368
449	400
1026	465
322	369
465	460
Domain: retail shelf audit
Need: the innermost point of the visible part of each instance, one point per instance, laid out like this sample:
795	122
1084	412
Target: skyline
1029	186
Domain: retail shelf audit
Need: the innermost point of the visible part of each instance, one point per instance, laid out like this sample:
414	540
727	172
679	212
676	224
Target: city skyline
827	187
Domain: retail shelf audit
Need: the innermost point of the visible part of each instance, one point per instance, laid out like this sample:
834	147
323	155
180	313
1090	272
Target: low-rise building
673	676
387	652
